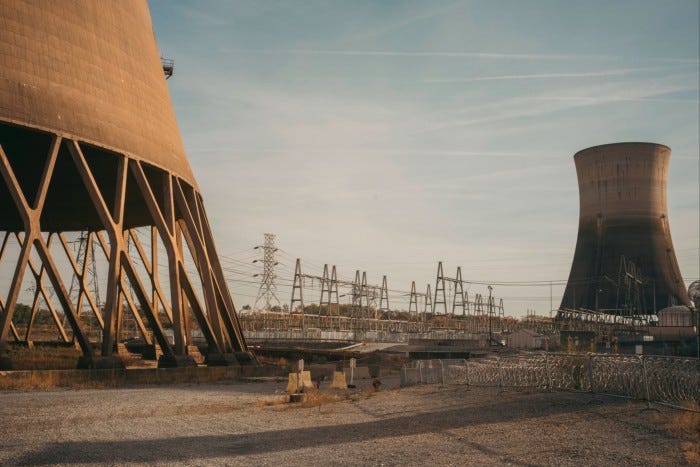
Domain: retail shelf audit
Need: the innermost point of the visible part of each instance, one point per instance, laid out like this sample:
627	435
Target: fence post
590	372
420	371
646	381
546	371
442	373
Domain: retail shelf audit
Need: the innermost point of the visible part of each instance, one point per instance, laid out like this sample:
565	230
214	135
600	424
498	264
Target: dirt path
242	424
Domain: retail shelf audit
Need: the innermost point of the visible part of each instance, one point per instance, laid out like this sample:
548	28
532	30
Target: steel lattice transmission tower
85	278
85	253
268	288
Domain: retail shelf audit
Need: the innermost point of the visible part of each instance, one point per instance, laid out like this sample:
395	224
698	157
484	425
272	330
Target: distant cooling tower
624	262
89	143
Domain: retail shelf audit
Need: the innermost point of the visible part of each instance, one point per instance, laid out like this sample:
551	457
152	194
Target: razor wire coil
668	380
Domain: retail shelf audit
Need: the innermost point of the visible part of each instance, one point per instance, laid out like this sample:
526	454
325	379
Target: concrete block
222	359
176	361
101	363
339	380
193	351
299	381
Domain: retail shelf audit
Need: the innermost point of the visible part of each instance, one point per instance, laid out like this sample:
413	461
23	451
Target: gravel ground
245	424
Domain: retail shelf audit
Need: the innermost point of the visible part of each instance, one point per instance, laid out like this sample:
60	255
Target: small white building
525	339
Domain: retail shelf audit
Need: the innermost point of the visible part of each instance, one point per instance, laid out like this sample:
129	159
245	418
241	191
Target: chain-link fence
669	380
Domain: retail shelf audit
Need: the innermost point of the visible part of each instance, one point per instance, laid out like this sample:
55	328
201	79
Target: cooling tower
89	143
624	263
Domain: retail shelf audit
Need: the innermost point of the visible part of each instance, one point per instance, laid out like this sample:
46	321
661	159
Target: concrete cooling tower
89	143
624	263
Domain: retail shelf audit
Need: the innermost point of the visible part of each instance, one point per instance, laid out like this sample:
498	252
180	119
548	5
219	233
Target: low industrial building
525	339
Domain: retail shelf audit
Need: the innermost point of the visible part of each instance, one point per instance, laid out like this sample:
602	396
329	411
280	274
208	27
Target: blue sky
385	136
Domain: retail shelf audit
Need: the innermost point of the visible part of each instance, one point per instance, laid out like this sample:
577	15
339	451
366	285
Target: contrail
589	74
438	54
452	54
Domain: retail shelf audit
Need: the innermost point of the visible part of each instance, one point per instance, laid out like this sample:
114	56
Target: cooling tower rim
582	152
100	145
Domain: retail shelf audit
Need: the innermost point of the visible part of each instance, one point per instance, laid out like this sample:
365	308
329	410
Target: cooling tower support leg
197	290
33	238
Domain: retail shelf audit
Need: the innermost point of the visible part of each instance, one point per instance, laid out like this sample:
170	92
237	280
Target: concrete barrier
339	380
299	381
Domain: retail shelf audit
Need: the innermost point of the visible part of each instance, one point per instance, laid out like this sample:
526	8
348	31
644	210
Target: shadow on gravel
185	448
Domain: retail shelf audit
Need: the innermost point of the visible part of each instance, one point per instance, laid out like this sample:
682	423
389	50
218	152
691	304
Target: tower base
176	361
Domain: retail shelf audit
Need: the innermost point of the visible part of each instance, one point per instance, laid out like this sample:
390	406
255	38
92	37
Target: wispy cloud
447	54
585	74
582	96
420	53
400	23
199	15
604	100
379	152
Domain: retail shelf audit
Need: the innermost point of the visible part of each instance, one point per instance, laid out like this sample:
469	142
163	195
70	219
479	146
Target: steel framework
176	217
268	288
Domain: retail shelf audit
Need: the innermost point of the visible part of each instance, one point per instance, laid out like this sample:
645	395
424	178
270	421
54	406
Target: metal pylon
268	288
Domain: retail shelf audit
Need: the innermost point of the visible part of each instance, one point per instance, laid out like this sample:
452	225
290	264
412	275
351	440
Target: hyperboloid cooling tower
89	143
624	262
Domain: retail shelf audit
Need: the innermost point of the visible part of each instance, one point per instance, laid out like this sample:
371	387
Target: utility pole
268	288
298	285
333	290
479	312
364	292
490	305
458	299
325	288
440	289
384	298
413	301
428	301
356	295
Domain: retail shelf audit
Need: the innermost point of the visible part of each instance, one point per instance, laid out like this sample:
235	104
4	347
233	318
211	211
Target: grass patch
46	380
41	358
272	401
686	425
